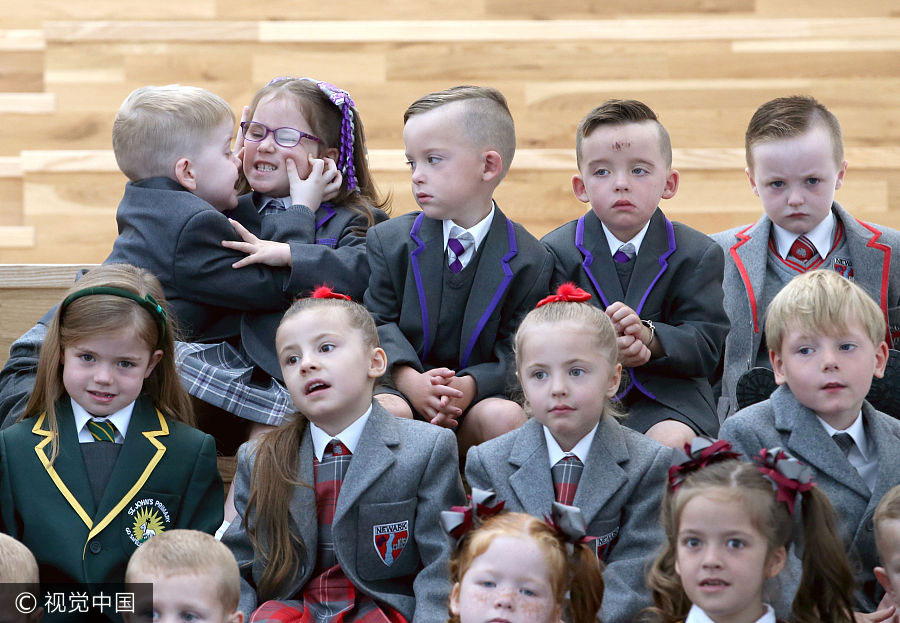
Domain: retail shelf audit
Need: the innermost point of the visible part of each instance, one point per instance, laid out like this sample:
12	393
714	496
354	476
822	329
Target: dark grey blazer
401	471
782	421
406	257
676	284
875	257
620	494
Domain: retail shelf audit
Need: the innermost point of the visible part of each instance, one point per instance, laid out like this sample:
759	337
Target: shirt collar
696	615
820	236
857	431
349	436
265	199
120	419
479	230
614	243
581	449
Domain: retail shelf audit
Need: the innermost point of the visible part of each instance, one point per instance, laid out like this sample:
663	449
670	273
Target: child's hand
882	615
632	351
318	184
424	390
627	322
258	251
454	407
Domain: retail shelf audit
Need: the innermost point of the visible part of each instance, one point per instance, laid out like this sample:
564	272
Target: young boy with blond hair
795	163
18	566
660	282
192	574
826	343
450	284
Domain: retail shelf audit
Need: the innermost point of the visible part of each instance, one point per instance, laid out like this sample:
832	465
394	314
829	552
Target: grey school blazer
783	422
402	471
619	494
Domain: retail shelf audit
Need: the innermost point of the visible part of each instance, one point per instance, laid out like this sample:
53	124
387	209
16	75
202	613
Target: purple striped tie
458	249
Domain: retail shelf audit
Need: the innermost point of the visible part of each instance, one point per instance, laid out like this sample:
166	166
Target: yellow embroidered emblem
147	523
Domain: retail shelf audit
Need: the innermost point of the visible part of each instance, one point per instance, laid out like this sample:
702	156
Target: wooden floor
703	65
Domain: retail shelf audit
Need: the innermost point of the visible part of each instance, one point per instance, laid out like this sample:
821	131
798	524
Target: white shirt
614	243
860	455
120	420
821	237
349	436
581	449
696	615
479	232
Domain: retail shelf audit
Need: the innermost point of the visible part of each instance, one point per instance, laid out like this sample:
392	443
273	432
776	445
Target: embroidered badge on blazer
843	267
390	539
605	543
150	518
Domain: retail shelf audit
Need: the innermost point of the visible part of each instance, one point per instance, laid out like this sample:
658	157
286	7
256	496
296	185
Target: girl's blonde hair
325	120
825	594
595	323
102	314
275	470
575	574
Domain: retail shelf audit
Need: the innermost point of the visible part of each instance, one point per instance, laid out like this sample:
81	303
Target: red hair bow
702	451
566	293
325	292
790	476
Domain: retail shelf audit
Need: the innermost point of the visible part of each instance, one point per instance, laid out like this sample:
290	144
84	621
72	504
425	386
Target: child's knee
395	405
671	433
496	416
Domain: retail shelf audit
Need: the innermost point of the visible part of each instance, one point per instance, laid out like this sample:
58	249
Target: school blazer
406	260
165	477
327	247
876	268
619	494
676	284
401	476
783	422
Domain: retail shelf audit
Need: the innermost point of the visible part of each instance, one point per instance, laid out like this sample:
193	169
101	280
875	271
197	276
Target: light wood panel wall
703	65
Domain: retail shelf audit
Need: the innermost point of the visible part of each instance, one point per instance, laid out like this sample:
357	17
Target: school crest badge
390	539
150	518
843	267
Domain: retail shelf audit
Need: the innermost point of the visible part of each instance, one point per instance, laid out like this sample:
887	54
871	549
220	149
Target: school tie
566	474
625	253
803	252
458	247
844	442
273	206
102	430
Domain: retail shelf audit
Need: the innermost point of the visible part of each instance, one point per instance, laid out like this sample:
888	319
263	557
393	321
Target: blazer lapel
651	261
142	451
603	475
76	489
426	261
492	278
884	440
750	255
596	261
303	511
531	481
810	443
378	437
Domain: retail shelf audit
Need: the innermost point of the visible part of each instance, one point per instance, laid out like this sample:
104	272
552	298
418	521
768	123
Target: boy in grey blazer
826	343
795	163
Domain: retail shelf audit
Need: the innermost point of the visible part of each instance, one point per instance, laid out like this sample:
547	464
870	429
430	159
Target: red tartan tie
803	251
566	474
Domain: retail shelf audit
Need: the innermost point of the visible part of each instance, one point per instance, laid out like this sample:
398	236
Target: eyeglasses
256	132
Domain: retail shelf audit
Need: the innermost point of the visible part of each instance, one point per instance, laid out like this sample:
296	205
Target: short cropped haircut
787	117
888	508
620	112
17	563
821	301
189	552
488	122
155	126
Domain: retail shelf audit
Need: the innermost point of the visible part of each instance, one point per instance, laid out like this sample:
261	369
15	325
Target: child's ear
885	581
236	617
881	359
671	187
579	189
332	153
775	563
752	181
777	367
615	377
378	363
492	166
454	599
840	176
184	174
154	359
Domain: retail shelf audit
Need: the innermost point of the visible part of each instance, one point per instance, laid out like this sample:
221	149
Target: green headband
157	311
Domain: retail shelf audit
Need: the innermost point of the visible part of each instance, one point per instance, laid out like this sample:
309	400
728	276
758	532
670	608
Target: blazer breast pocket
604	533
385	544
149	513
